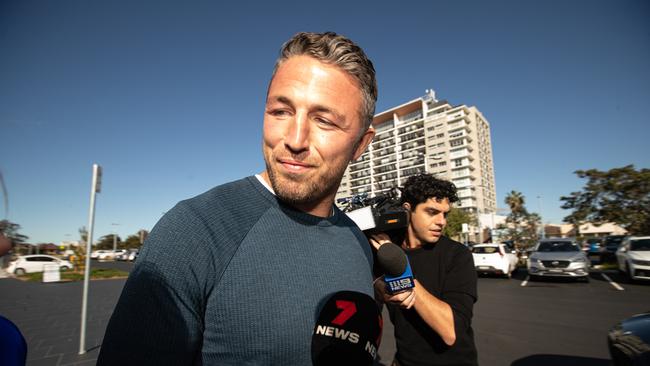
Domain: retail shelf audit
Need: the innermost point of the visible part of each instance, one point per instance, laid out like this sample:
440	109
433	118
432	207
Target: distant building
559	231
489	227
425	134
587	229
69	244
609	228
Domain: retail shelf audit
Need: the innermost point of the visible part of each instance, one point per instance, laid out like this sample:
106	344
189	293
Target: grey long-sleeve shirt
233	277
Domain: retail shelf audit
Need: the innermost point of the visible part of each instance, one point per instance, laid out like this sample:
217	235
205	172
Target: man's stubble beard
304	192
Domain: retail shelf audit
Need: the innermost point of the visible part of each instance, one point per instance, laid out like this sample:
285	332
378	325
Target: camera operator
433	320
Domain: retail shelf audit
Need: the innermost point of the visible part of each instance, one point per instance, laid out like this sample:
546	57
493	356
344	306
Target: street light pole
94	189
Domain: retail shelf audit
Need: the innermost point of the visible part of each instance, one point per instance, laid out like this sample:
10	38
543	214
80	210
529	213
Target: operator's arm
452	312
436	313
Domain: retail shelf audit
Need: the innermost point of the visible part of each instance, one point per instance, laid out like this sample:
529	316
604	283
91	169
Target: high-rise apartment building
425	134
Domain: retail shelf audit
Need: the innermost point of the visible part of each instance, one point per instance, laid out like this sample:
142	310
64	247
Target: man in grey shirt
236	275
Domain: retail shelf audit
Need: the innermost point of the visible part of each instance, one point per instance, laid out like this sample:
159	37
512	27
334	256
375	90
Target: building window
456	143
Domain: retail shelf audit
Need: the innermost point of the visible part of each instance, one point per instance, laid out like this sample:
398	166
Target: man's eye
279	112
323	121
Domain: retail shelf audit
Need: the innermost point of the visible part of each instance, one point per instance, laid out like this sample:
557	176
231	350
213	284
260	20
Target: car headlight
640	262
579	259
535	260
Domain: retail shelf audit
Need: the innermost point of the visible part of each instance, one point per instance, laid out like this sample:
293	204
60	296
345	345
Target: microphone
347	331
397	270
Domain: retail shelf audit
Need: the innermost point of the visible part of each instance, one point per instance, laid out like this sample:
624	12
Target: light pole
94	189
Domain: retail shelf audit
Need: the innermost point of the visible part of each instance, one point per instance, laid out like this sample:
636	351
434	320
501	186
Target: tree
10	231
455	220
83	235
619	195
521	226
106	242
515	200
132	242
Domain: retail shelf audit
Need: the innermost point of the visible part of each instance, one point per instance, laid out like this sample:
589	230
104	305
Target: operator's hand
404	299
378	239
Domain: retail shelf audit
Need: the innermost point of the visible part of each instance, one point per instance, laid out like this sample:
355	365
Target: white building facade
451	142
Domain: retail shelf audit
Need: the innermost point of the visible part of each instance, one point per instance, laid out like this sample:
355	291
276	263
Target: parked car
95	253
133	255
36	263
633	257
629	341
612	242
609	246
127	255
494	259
558	258
110	255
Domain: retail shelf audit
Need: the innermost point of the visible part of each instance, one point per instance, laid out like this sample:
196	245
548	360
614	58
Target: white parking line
616	285
523	284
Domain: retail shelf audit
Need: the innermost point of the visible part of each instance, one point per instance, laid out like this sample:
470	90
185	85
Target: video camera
381	213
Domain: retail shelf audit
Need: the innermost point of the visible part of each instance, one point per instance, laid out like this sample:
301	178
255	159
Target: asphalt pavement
517	322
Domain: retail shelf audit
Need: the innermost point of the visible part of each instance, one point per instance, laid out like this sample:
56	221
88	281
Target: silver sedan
558	258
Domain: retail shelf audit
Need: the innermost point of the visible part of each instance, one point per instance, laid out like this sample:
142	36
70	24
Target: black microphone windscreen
347	331
392	259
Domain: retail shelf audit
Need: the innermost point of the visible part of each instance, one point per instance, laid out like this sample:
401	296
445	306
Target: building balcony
412	144
376	145
359	190
359	166
410	128
384	169
360	182
363	174
382	136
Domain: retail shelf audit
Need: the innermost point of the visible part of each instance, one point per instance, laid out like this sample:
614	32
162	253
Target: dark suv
608	247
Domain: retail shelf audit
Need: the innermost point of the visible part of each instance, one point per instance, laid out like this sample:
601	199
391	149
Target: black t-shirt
446	270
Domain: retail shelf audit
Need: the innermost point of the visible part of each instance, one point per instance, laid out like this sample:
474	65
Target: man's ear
363	143
407	206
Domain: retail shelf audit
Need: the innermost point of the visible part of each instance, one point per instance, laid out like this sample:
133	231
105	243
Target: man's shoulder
224	209
454	248
452	244
230	191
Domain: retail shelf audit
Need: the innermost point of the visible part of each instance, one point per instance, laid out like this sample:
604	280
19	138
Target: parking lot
516	322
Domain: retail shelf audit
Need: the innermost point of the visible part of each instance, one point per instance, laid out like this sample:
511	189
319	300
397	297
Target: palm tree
515	200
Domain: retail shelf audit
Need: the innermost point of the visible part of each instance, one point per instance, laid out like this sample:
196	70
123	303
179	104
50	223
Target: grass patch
96	273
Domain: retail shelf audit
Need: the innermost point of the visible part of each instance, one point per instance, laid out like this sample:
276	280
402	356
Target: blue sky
168	95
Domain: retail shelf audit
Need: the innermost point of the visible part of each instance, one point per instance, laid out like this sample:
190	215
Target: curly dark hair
420	187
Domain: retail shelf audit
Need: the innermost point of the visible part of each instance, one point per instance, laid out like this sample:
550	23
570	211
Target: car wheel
65	268
19	272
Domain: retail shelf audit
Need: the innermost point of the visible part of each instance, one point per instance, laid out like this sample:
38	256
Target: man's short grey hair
334	49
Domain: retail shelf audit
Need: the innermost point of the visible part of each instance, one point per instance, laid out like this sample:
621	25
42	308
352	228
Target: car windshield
485	250
640	245
557	246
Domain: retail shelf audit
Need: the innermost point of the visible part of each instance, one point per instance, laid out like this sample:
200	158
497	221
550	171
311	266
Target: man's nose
441	220
297	138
